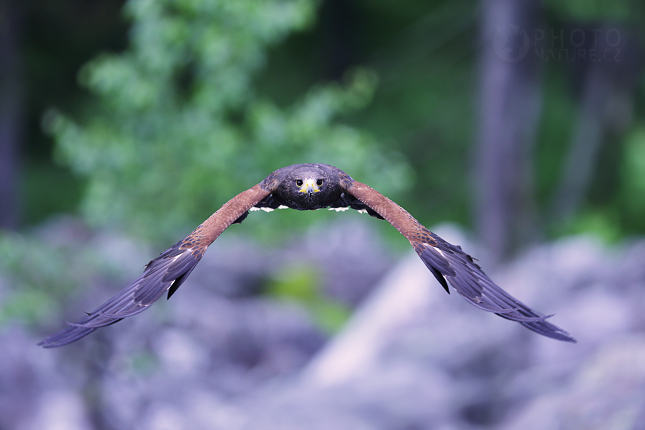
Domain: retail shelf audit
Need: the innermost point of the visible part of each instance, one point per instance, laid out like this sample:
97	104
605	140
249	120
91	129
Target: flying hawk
308	187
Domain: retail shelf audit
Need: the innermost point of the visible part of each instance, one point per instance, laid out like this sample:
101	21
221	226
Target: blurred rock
608	392
350	256
221	356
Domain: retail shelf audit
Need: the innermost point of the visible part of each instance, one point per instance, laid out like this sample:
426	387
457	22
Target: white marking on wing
338	209
435	249
254	208
182	254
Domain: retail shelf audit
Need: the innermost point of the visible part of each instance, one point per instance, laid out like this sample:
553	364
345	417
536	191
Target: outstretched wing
165	273
449	262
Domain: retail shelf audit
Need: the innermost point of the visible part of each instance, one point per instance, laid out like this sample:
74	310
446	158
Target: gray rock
221	355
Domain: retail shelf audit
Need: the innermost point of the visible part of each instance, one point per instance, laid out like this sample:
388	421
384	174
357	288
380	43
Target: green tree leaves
181	128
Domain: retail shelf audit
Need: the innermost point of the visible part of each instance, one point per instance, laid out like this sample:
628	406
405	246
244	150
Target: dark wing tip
465	276
65	337
165	273
549	330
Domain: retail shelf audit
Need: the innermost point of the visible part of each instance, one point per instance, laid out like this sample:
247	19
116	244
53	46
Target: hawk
308	187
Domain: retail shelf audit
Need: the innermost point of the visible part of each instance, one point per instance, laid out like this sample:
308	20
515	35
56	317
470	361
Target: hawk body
308	187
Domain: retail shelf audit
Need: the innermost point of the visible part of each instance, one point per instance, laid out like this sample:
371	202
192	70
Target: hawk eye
319	182
299	182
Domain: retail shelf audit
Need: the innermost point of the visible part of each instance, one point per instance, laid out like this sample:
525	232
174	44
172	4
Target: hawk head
308	186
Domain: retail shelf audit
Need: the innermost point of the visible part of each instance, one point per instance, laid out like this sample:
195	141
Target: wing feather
448	262
163	274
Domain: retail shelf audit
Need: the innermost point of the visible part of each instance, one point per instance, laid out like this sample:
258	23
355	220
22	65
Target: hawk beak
309	186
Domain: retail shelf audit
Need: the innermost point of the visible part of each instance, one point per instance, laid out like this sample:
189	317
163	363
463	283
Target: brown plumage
308	187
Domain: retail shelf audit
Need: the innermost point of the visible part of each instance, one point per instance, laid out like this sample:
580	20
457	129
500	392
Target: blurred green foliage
593	10
209	97
49	189
181	129
632	197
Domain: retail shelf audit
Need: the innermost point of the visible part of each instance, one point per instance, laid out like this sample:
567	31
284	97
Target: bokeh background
516	129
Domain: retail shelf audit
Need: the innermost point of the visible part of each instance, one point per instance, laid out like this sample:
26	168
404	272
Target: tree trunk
510	101
605	107
11	104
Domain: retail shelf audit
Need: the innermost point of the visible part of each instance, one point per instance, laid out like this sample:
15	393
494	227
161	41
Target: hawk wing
166	272
449	262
